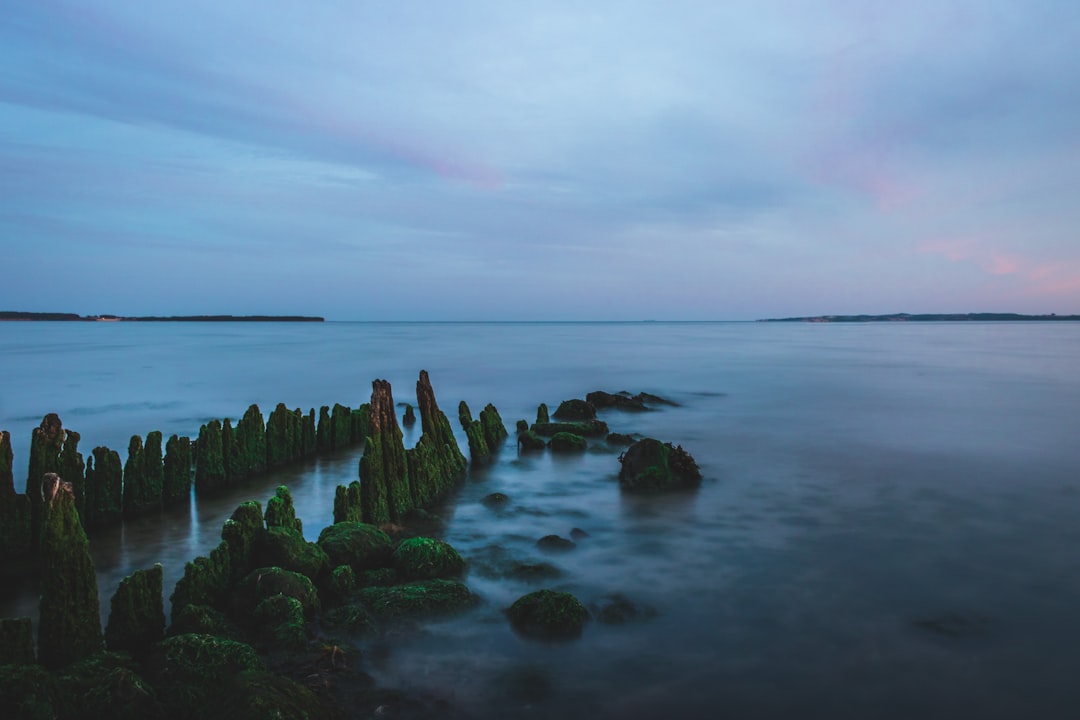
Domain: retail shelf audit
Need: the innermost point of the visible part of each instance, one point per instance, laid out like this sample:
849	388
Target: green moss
30	692
548	615
137	616
264	582
287	549
308	435
587	428
381	577
228	452
46	443
281	434
342	422
249	452
135	498
242	533
384	473
530	441
542	414
567	442
359	545
196	672
279	623
265	696
153	467
464	415
107	685
650	465
423	599
176	478
73	469
575	410
16	641
206	581
408	419
422	558
347	503
353	618
325	431
340	583
494	429
280	511
204	620
15	516
361	423
7	477
478	447
69	626
209	462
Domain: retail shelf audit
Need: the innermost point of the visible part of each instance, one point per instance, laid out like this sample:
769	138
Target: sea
888	526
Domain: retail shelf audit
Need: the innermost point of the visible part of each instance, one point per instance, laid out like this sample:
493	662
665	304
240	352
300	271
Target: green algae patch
30	692
280	511
430	598
353	618
347	503
650	465
548	615
106	685
422	558
542	414
195	672
279	623
575	410
204	620
529	441
567	442
104	487
209	460
242	532
288	549
360	545
206	581
176	480
255	695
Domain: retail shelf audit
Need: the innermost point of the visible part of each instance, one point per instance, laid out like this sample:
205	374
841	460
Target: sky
547	160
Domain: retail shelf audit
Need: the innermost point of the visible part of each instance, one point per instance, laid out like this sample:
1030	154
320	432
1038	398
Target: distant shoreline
72	317
929	317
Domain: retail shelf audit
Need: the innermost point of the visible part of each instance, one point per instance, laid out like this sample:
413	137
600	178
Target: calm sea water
888	526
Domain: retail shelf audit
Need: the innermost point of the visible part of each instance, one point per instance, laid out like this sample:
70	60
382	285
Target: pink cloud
1057	278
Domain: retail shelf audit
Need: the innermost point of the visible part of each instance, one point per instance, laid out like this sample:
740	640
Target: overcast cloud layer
540	160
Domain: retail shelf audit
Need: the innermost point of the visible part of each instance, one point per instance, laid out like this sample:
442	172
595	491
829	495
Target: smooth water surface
887	527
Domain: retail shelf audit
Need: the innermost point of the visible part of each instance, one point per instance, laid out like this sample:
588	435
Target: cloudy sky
497	160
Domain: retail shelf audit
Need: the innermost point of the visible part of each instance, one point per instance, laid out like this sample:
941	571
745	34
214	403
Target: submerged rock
586	428
548	615
625	401
69	626
567	442
618	609
495	500
650	465
530	441
555	543
408	419
422	558
422	599
575	410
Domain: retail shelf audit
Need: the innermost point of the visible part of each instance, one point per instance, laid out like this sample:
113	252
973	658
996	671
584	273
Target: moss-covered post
7	476
309	434
104	487
73	469
361	423
69	625
494	429
542	416
206	581
176	482
135	491
296	422
241	533
46	443
15	513
229	452
137	614
436	463
464	415
325	430
347	503
209	465
474	432
249	451
341	419
280	511
384	488
408	419
280	437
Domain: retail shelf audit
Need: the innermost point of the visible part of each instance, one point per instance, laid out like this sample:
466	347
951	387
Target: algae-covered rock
280	511
585	428
621	401
479	451
422	599
15	516
137	615
359	545
209	460
530	441
542	414
522	426
650	465
361	423
242	533
153	468
69	626
46	444
384	473
436	464
16	641
264	582
324	433
30	692
422	558
104	487
141	491
575	410
248	454
287	549
495	500
464	415
620	439
308	437
282	430
347	503
204	620
494	429
206	581
380	577
194	673
408	419
279	623
341	422
107	685
555	543
176	483
265	696
548	615
340	583
352	618
567	442
73	469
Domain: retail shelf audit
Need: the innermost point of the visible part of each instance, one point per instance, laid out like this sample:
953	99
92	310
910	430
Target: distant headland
16	315
928	317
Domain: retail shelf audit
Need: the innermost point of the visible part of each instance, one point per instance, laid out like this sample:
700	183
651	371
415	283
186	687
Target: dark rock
16	641
359	545
618	610
421	558
209	461
530	441
352	618
522	426
567	442
69	627
361	422
206	581
282	433
548	615
176	482
204	620
15	516
73	469
479	452
107	685
104	487
287	549
308	435
280	511
263	695
601	399
325	432
31	692
409	418
650	465
464	415
436	465
578	534
587	428
542	414
621	439
279	623
7	477
341	420
46	444
384	473
495	500
494	429
196	672
423	599
137	614
575	410
534	572
242	532
340	584
554	543
265	582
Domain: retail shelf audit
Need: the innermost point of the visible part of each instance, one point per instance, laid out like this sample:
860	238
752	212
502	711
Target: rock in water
548	615
409	418
176	487
104	487
16	641
46	444
384	475
436	464
494	429
137	615
209	460
69	626
347	503
280	511
575	410
567	442
15	523
649	465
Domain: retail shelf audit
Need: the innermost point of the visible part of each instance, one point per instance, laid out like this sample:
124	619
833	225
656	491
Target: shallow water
887	526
